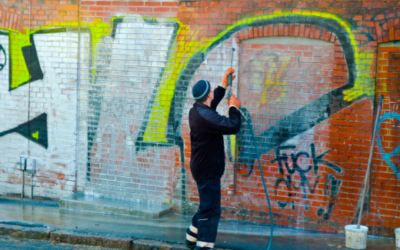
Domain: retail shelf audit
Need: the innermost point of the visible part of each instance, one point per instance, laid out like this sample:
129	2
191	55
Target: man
207	161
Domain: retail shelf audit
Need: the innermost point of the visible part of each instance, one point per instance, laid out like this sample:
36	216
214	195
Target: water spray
258	158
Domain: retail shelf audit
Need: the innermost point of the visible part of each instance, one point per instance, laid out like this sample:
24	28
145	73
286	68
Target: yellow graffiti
274	84
36	135
189	42
233	145
184	47
98	29
19	69
365	82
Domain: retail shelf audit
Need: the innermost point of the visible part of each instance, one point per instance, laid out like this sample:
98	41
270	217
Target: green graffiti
36	135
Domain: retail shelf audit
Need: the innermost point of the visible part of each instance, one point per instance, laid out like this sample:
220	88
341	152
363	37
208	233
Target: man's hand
233	101
225	79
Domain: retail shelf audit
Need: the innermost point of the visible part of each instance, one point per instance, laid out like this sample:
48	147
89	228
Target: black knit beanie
200	90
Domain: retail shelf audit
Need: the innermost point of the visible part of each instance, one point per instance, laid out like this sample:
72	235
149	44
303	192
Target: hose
262	177
258	157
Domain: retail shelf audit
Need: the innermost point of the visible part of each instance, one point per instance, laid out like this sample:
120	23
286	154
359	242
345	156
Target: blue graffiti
387	156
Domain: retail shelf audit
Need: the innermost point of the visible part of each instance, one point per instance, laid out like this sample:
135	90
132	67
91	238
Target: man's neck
206	103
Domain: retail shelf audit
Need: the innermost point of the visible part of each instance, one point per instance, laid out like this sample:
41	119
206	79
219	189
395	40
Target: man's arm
219	93
221	125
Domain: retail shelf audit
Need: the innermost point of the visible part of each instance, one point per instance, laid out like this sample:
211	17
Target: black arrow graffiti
5	58
34	130
303	119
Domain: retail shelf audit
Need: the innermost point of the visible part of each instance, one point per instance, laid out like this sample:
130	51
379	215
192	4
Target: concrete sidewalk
19	216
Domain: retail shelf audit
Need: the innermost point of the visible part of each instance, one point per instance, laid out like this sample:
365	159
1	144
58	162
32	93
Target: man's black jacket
207	128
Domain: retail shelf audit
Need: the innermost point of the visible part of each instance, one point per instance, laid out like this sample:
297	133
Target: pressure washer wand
230	77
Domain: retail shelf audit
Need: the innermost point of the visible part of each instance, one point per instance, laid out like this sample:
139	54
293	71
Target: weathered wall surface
98	93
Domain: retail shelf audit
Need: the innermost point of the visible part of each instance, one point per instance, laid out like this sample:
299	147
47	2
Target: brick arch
387	27
295	30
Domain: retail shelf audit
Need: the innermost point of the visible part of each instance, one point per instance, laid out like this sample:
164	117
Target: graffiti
190	54
306	186
156	114
290	126
24	62
34	130
331	191
25	65
275	84
2	65
387	157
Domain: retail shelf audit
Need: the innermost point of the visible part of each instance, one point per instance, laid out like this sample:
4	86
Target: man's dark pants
205	222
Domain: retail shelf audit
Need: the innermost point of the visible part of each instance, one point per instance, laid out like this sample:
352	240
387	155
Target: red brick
397	23
333	38
391	29
265	31
71	8
261	31
296	30
48	7
251	32
255	31
172	4
88	3
312	31
232	10
162	9
259	46
103	3
317	33
276	30
135	3
389	49
298	47
328	36
397	34
302	29
379	32
307	31
281	30
96	8
246	34
241	35
144	9
103	14
152	4
286	30
291	30
323	34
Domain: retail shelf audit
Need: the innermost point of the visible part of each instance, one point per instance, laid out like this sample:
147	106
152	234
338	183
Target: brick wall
108	103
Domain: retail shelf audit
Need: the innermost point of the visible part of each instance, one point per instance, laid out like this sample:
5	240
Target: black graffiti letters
3	58
308	182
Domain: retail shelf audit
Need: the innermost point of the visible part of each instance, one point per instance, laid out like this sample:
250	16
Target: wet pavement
232	234
9	243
